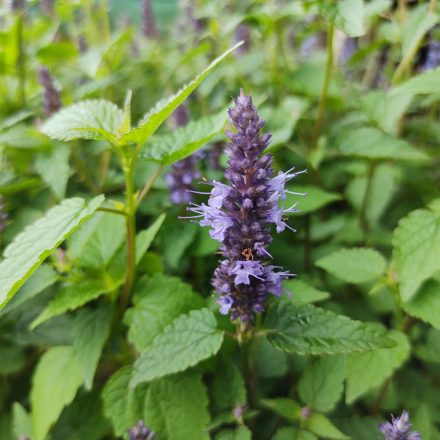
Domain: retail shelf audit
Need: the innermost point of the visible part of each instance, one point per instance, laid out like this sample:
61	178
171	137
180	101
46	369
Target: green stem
148	186
325	87
131	236
366	201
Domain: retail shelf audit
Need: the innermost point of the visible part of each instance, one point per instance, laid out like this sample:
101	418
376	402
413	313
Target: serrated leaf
158	300
146	237
315	198
184	141
188	340
305	329
346	15
91	328
416	243
56	380
70	297
176	407
287	408
163	109
368	370
425	305
116	396
323	427
90	119
32	246
321	385
302	292
356	265
371	143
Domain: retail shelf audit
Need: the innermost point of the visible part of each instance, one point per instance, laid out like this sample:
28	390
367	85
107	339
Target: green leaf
241	433
346	15
32	246
40	280
368	370
163	109
98	240
176	407
146	237
416	243
315	198
13	358
323	427
53	167
158	301
303	292
305	329
185	140
228	388
425	305
356	265
22	422
56	380
292	433
23	137
287	408
70	297
188	340
91	328
371	143
321	385
90	119
418	23
427	83
116	396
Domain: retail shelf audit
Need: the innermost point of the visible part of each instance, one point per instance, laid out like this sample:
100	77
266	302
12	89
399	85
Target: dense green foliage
107	313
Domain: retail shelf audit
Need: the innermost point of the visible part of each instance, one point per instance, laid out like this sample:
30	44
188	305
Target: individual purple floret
183	172
3	215
433	56
51	96
148	21
140	432
242	33
240	213
398	428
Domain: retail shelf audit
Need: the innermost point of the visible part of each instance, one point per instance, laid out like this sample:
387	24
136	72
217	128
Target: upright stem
366	200
324	91
131	236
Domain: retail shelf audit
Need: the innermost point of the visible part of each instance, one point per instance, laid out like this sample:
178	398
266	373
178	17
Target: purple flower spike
239	215
51	96
398	429
148	21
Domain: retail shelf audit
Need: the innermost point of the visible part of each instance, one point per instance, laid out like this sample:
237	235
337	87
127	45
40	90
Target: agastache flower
3	215
148	21
140	432
240	213
214	155
51	96
183	172
398	429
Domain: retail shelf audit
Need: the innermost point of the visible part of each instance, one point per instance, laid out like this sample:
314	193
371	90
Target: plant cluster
219	220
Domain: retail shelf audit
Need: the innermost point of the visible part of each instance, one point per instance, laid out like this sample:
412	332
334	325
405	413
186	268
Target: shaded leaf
146	237
32	246
346	15
286	408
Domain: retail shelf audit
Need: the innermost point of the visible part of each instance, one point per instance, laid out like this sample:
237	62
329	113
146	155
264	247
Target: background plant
107	314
